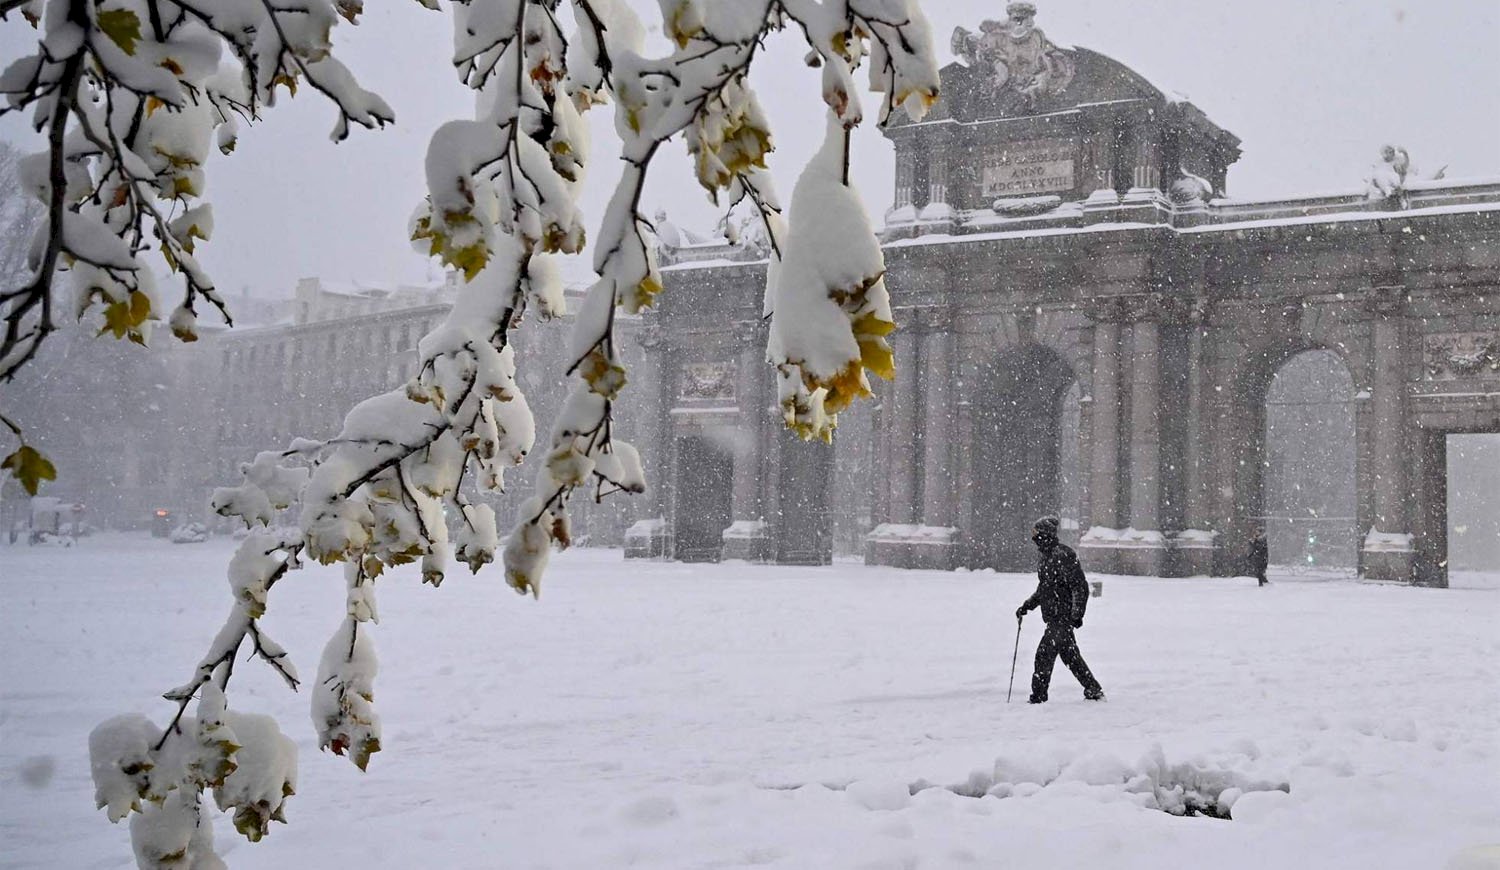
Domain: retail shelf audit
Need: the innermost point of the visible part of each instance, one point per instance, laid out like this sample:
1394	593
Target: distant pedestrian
1260	557
1063	594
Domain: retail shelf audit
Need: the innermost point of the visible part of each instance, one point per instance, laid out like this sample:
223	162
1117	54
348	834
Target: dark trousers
1260	574
1058	642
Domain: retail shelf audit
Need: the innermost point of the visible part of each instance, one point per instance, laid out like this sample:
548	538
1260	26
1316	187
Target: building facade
1089	327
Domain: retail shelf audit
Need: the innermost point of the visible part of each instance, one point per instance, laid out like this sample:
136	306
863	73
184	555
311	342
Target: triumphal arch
1089	326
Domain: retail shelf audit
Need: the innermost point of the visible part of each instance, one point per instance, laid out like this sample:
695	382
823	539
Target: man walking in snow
1260	556
1063	594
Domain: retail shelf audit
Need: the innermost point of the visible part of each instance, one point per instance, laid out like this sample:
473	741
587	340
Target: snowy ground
663	716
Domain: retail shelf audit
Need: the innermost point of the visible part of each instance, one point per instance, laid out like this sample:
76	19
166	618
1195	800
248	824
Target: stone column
1385	558
903	431
937	178
656	434
1196	551
1147	171
937	425
897	473
1145	427
1390	486
1145	444
880	453
1197	513
650	536
748	448
1104	468
1099	158
1103	462
905	178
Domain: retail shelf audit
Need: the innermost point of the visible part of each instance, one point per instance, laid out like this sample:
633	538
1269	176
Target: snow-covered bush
132	93
190	533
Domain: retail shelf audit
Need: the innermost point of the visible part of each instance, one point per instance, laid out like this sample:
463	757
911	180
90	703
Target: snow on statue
131	95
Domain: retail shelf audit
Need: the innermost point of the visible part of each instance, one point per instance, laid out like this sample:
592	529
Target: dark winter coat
1260	556
1061	590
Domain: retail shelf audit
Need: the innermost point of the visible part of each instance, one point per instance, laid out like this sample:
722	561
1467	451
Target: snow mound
880	794
1199	786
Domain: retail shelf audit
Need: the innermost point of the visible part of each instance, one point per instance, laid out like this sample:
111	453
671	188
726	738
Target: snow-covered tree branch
131	95
502	203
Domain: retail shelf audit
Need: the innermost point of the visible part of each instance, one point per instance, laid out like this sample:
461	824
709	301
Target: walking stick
1013	660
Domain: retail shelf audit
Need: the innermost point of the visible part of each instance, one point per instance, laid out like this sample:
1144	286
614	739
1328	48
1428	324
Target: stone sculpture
1019	53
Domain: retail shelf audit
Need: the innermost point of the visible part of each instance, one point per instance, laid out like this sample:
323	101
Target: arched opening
1309	490
1021	470
705	487
1472	524
1457	532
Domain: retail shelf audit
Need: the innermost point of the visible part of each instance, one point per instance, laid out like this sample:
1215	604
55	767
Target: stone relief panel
1451	356
707	381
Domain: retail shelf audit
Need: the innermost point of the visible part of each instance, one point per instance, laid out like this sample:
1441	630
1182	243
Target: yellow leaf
844	387
29	467
603	375
122	26
470	260
116	319
182	187
643	295
170	66
368	747
250	823
187	238
840	43
871	324
152	104
521	582
140	307
877	358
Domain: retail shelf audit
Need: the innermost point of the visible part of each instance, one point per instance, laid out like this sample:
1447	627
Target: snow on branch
131	96
502	202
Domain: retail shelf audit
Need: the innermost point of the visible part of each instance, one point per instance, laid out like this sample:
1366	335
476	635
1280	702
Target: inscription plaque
1022	168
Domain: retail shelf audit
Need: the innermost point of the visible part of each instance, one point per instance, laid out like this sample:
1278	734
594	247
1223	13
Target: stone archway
1265	471
1017	454
1309	490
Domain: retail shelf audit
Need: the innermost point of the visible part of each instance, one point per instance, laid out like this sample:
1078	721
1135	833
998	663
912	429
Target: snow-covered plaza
662	715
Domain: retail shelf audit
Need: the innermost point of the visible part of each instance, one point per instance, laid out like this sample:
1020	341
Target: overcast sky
1313	89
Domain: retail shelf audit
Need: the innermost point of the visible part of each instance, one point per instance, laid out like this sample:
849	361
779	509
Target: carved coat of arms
708	380
1019	53
1458	355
